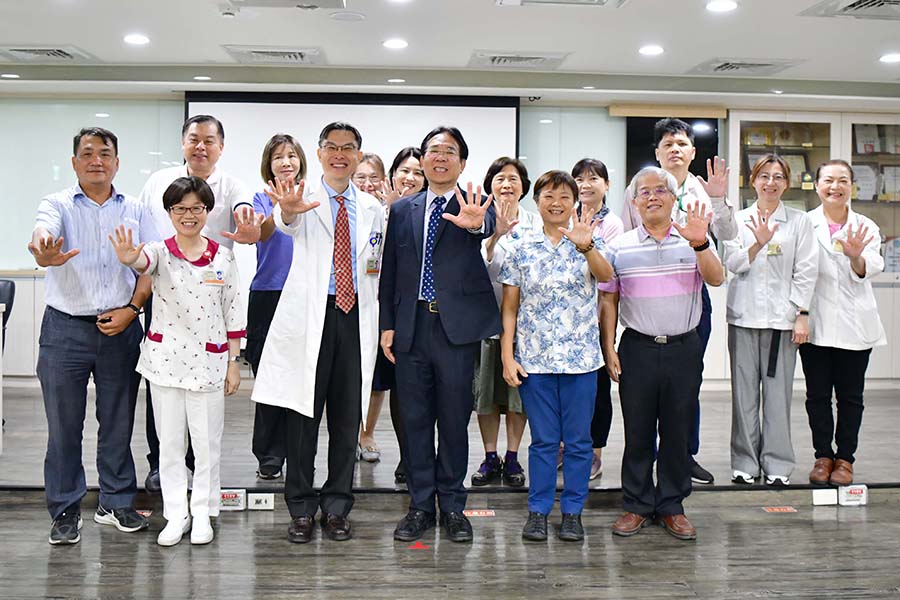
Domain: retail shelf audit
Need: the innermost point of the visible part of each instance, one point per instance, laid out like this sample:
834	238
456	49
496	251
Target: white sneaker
742	477
202	531
778	480
172	532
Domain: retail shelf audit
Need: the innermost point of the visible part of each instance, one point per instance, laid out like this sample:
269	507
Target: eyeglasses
360	178
180	210
447	151
645	193
332	148
777	177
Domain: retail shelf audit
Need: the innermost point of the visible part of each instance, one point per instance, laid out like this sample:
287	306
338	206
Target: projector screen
387	124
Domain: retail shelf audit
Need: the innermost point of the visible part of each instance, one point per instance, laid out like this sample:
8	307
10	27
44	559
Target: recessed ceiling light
396	80
777	91
701	127
137	39
395	44
588	87
651	50
721	6
9	76
545	121
101	115
348	15
152	153
202	78
890	58
523	158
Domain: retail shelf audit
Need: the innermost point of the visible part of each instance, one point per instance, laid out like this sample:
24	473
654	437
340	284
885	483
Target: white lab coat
843	313
287	368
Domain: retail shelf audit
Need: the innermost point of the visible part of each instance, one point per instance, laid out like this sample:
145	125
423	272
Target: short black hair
555	179
591	165
183	186
453	132
106	135
409	151
340	126
498	165
671	126
835	162
203	119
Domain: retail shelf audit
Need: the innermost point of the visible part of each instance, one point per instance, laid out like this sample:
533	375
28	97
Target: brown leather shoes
821	471
300	530
842	473
629	524
678	526
336	527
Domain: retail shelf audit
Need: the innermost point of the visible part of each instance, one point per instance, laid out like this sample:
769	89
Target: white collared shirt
228	191
767	293
843	313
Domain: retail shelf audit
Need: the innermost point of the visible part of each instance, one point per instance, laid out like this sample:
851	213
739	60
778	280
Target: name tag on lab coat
372	266
773	249
211	277
838	246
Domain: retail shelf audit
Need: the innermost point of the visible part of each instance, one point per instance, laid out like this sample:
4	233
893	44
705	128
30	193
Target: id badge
372	266
838	246
211	277
773	249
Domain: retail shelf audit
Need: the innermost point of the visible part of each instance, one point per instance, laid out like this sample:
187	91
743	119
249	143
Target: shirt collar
430	196
208	255
348	194
79	193
643	234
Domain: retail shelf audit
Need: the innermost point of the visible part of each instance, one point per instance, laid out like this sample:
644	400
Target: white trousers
178	411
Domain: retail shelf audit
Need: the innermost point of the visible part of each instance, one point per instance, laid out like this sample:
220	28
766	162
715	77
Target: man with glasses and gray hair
321	347
660	268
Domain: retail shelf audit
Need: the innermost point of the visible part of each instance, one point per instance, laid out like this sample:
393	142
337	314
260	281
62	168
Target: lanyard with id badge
373	263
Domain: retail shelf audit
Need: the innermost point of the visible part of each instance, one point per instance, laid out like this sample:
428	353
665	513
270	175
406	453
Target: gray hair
658	172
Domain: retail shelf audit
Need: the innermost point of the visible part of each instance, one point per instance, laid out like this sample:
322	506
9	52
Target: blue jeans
559	408
71	351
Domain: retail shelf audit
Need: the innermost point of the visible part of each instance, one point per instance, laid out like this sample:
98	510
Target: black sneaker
151	484
269	472
124	519
490	472
699	474
535	527
457	527
66	528
571	530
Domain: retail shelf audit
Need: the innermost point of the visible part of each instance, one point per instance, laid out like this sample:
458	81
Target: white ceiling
443	34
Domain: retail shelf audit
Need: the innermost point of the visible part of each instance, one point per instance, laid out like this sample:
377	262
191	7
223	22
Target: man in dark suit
437	304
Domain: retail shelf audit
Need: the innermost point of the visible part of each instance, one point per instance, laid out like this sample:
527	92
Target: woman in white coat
844	324
772	263
323	331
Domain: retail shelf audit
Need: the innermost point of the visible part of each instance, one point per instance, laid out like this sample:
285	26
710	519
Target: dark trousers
337	391
150	419
435	383
72	351
844	372
704	329
399	431
603	410
658	389
269	431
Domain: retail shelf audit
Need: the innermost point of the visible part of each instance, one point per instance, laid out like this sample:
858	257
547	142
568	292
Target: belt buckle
432	307
661	339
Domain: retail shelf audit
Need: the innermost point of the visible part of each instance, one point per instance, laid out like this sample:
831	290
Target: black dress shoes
151	484
457	527
535	528
413	525
336	527
571	530
300	530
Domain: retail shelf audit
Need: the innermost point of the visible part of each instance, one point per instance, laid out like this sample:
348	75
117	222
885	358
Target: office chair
7	296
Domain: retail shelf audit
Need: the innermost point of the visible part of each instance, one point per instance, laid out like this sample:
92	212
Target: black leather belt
660	339
431	307
86	318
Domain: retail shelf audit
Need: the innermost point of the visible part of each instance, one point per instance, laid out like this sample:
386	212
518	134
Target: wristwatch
236	359
136	310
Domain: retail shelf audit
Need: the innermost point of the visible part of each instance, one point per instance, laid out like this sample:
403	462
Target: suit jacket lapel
417	205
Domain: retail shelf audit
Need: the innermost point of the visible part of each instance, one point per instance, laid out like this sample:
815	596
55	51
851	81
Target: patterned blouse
196	310
556	328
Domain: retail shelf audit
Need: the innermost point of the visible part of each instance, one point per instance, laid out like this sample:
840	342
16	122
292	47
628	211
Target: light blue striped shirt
93	281
350	203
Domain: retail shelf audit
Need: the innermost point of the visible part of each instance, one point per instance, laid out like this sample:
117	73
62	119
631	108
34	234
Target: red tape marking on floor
419	546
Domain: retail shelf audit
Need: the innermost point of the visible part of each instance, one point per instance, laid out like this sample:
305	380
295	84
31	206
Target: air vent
595	3
749	67
275	55
879	10
533	61
44	55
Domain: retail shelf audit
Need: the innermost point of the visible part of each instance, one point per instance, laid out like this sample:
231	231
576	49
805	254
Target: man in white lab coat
320	351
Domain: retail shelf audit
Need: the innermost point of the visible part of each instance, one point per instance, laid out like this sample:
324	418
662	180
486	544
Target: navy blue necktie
427	272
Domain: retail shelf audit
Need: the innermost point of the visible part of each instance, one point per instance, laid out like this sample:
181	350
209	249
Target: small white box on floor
260	501
825	497
233	500
853	495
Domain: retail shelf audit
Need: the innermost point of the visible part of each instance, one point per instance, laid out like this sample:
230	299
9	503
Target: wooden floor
742	552
25	439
